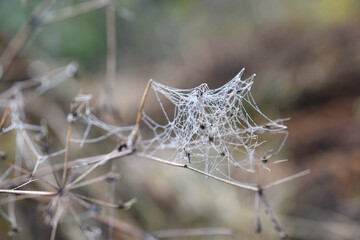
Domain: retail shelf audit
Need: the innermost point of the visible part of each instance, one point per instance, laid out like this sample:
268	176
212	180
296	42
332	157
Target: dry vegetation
75	143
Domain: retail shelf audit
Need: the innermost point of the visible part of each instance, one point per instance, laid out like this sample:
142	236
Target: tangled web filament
211	129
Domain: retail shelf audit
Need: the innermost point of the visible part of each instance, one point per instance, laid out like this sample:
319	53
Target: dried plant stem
111	48
134	134
73	11
5	116
14	47
55	173
17	43
53	230
277	226
123	229
88	182
66	160
286	179
177	233
26	172
257	223
16	198
102	161
77	163
97	201
124	206
236	184
28	192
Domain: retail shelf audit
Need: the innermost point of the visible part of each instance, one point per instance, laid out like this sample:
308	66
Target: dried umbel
210	132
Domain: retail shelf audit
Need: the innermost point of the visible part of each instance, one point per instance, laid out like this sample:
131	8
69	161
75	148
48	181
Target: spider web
214	130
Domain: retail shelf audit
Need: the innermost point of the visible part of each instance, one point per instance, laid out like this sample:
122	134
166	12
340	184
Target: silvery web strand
211	129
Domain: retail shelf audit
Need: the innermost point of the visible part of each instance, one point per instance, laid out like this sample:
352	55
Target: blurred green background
306	55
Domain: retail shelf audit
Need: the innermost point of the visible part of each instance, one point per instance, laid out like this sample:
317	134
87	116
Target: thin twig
286	179
124	229
90	181
66	160
257	223
28	192
193	232
26	172
97	201
268	209
102	161
125	206
134	134
111	47
15	198
233	183
74	11
5	116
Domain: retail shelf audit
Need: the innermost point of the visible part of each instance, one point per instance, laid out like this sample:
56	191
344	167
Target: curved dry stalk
134	134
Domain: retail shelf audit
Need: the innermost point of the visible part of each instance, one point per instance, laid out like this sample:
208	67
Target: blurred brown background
306	55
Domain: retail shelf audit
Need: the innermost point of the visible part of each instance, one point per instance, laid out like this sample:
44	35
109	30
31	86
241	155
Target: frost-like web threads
212	129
